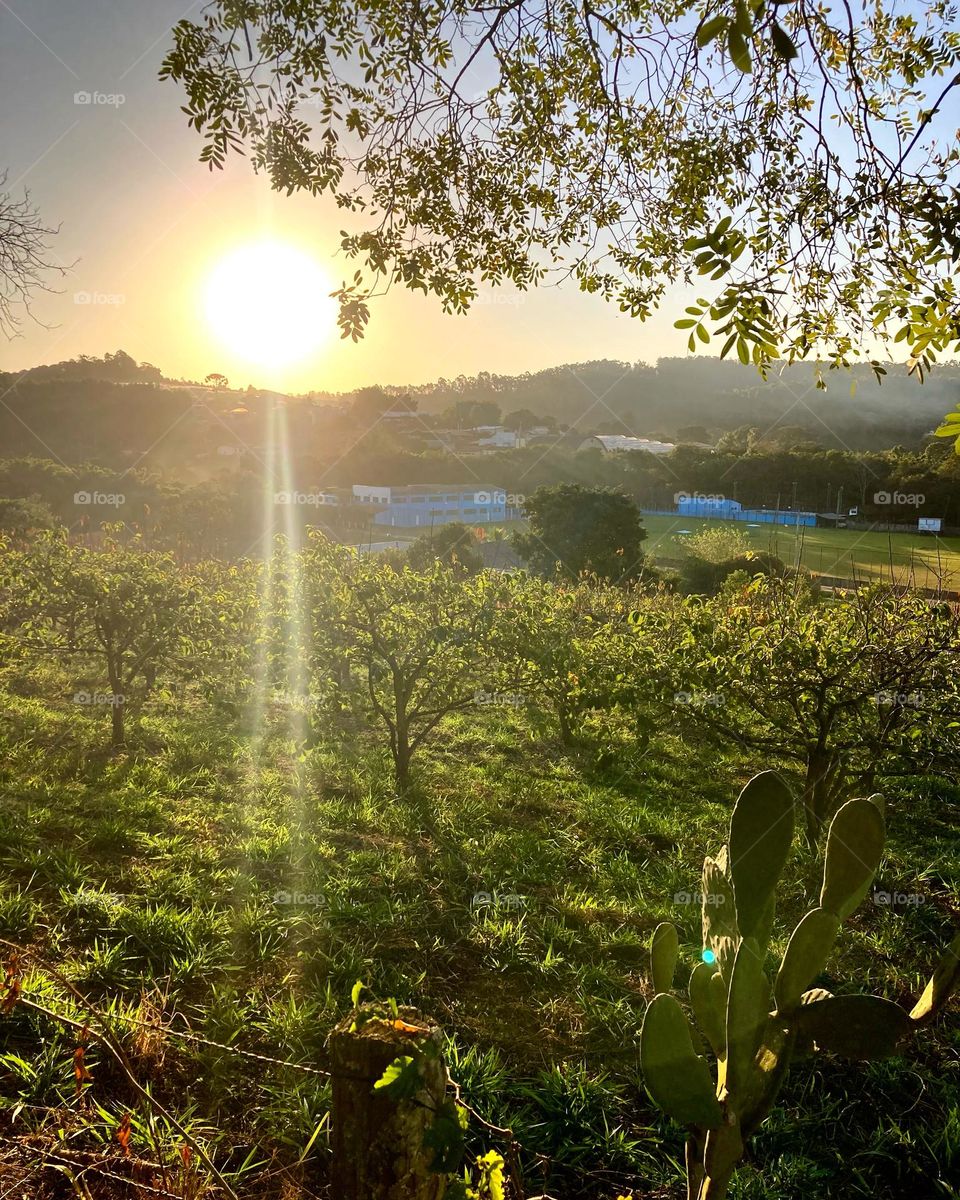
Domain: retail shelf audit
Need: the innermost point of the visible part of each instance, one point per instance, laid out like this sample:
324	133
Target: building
723	509
718	507
416	506
610	443
495	437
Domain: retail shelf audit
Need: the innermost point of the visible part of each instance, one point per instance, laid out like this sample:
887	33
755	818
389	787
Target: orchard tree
454	545
576	530
417	644
848	691
224	631
575	650
795	159
130	613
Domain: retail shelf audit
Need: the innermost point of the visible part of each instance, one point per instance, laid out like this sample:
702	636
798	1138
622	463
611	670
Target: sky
106	155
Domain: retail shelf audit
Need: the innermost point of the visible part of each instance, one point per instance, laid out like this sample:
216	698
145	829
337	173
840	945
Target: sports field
920	559
907	558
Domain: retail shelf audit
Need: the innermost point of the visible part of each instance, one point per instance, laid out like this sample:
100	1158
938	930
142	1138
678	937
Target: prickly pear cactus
754	1025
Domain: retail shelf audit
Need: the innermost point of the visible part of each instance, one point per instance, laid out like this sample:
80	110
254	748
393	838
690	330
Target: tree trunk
402	754
818	792
118	735
117	702
377	1141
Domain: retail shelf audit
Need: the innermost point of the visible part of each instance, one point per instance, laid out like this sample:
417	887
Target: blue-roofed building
417	506
699	505
722	508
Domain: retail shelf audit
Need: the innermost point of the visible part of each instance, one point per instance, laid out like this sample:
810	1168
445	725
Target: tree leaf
709	30
739	52
783	43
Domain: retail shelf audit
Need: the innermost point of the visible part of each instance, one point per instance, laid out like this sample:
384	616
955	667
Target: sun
269	303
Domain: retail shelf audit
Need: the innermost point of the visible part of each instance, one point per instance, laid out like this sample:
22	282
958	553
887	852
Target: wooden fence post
377	1141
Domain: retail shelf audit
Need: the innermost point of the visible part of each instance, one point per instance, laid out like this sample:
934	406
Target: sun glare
269	303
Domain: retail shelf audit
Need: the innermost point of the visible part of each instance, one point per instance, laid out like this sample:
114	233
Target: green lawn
918	558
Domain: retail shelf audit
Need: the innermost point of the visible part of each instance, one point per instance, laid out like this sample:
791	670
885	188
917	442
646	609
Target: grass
197	889
919	559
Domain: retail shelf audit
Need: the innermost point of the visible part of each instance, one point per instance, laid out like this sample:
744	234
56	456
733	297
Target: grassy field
916	559
230	885
848	553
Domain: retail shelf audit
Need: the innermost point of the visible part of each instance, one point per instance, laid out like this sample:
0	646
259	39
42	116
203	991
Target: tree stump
377	1141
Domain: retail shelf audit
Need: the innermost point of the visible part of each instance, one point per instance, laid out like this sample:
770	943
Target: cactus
754	1029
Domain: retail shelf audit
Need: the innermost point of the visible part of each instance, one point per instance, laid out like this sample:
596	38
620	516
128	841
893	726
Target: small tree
454	545
126	610
847	690
576	529
416	644
25	263
216	380
717	543
574	649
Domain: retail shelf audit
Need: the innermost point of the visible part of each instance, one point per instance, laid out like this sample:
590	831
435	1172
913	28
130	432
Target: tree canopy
790	156
576	529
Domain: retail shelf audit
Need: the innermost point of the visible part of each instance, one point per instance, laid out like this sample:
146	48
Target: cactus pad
677	1079
761	831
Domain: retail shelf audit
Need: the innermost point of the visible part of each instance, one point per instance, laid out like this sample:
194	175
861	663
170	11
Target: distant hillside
117	412
851	410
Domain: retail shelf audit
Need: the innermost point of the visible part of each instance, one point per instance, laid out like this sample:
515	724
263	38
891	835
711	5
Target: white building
497	438
371	494
611	442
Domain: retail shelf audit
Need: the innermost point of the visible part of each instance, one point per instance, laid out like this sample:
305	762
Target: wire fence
148	1177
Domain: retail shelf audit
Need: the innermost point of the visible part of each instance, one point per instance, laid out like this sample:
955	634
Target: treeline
235	512
744	467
